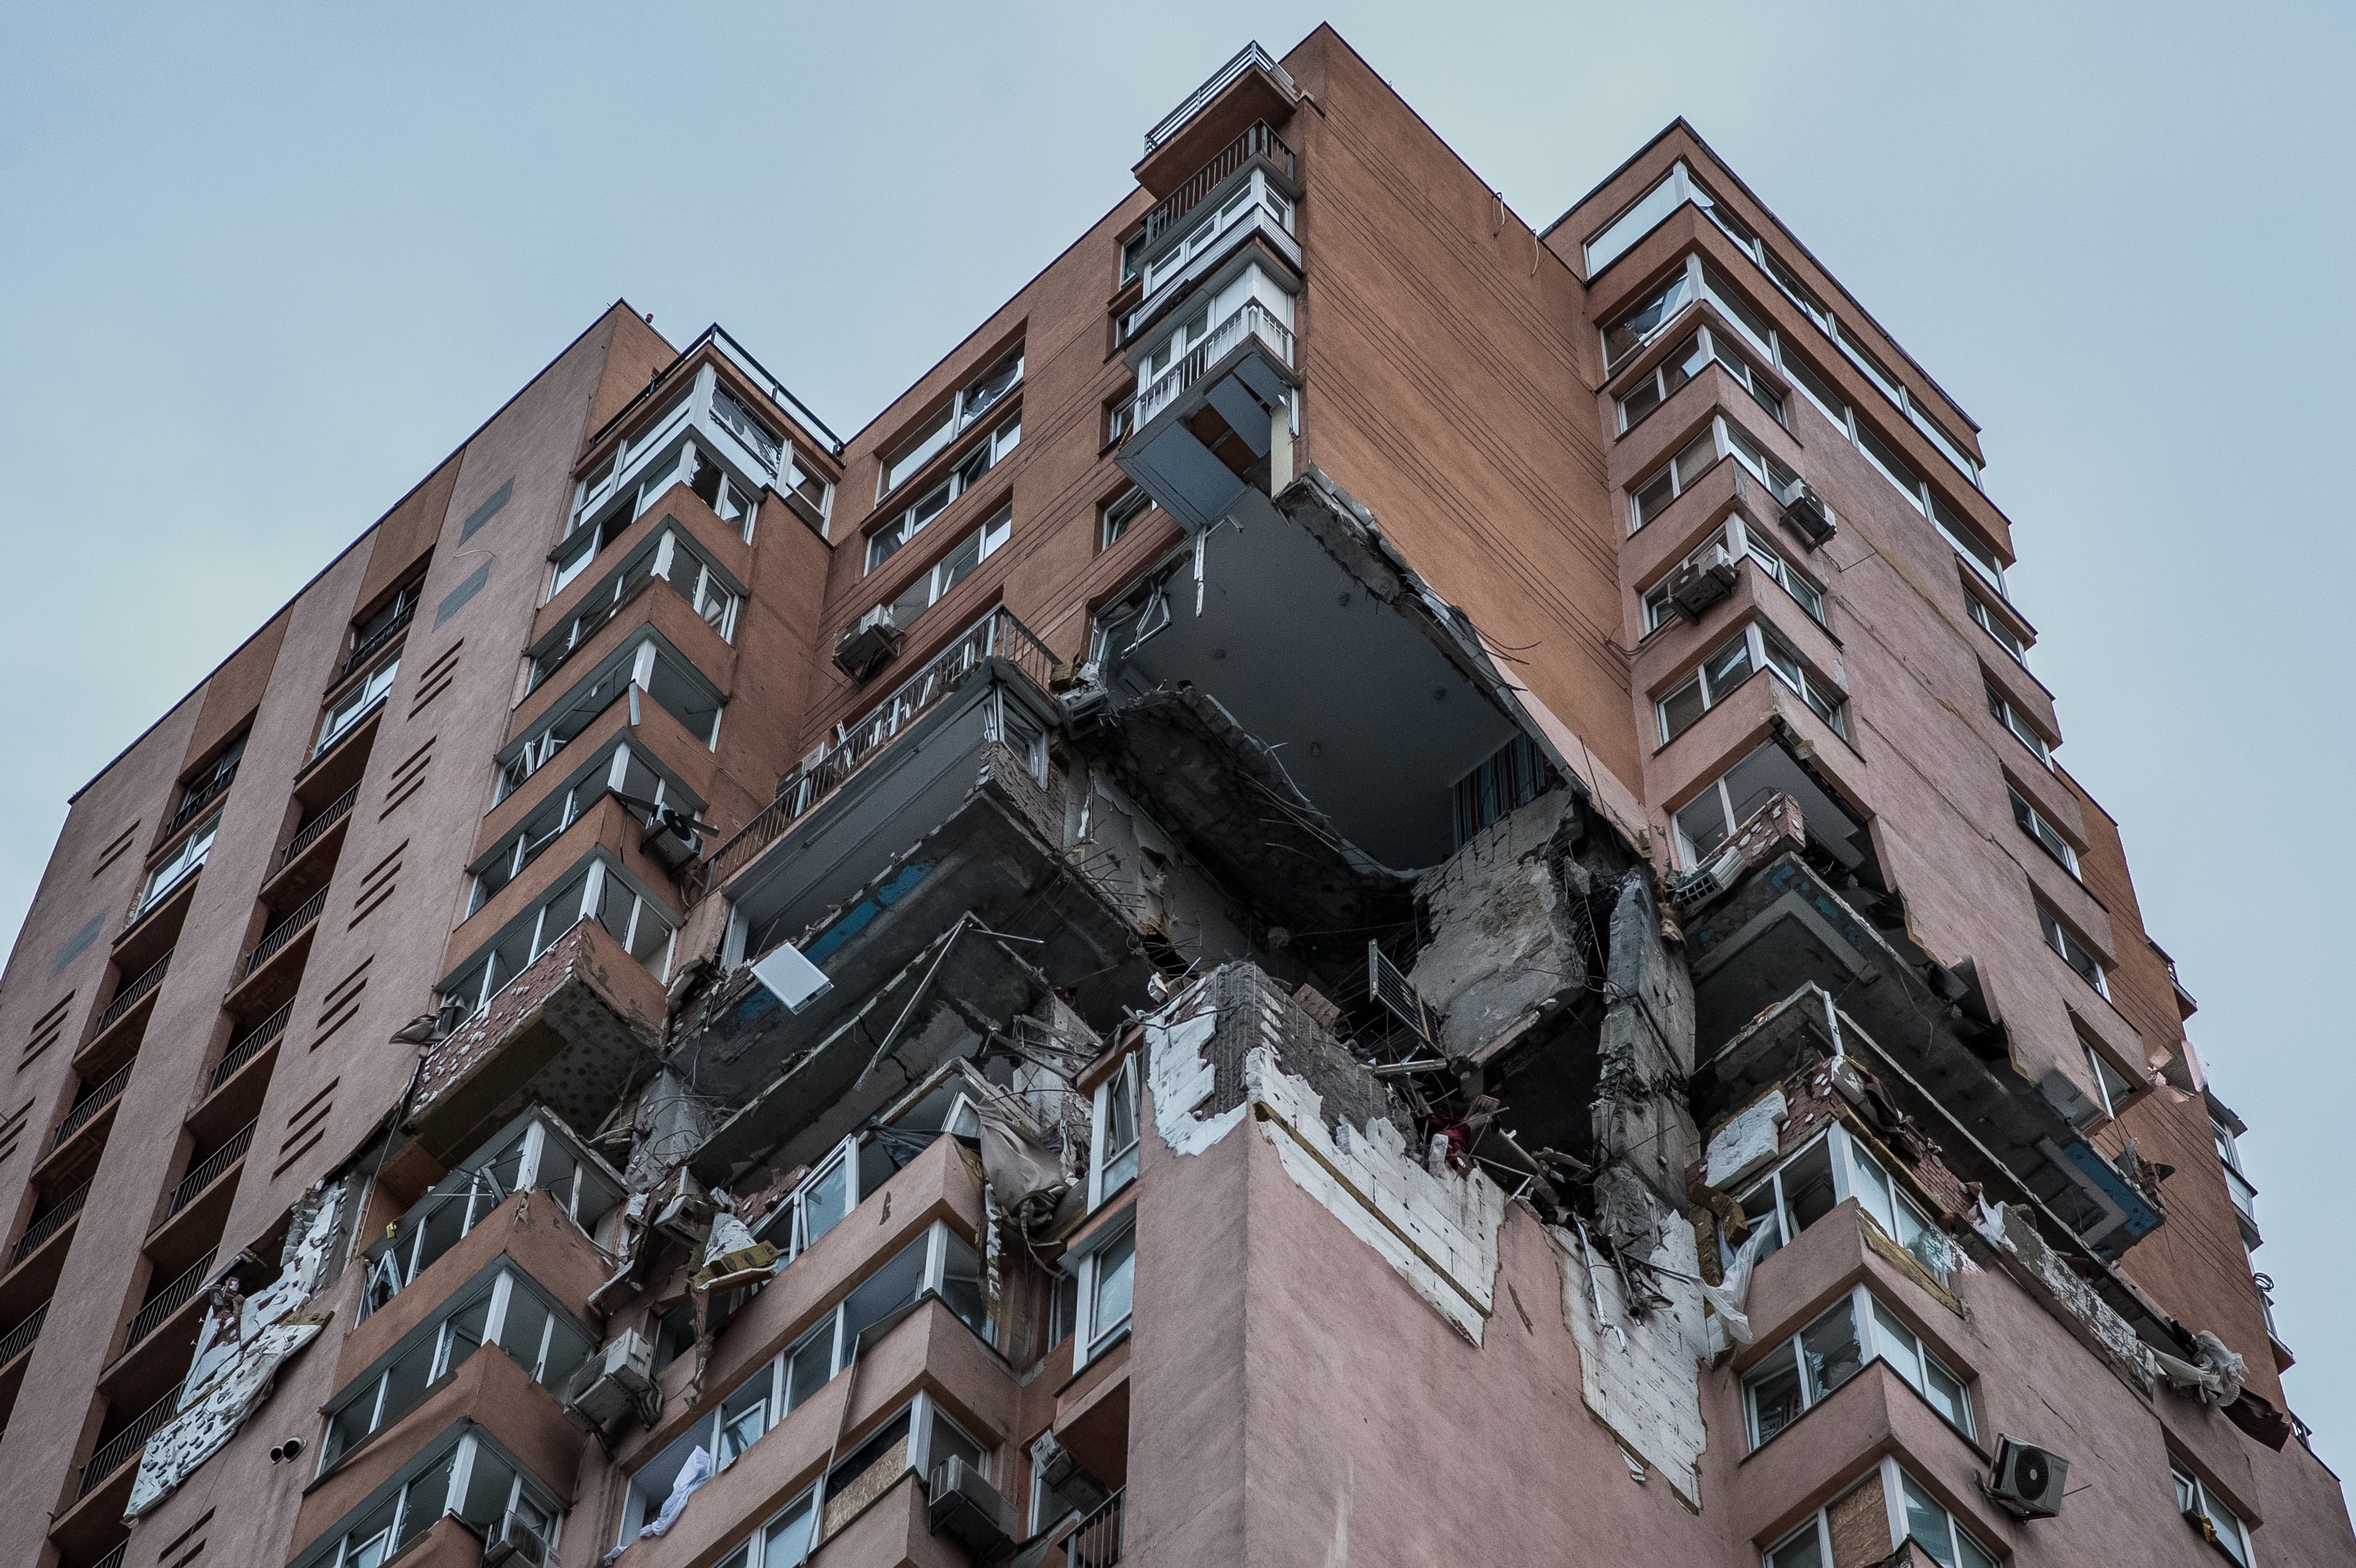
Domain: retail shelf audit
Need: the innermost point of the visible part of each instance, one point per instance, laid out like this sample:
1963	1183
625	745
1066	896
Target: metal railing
115	1558
128	997
284	931
1257	141
309	834
997	635
14	1343
49	1224
199	797
243	1051
166	1302
91	1104
401	615
118	1450
1250	55
1095	1541
1253	321
205	1173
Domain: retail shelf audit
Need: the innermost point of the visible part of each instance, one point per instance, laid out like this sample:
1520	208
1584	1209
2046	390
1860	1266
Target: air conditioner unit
1806	516
867	643
2028	1480
968	1511
519	1545
1700	583
611	1384
1706	881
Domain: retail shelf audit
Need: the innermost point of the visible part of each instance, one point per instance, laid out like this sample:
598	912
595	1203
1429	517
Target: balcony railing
1257	142
401	617
166	1302
1095	1541
123	1446
245	1049
284	931
997	635
91	1104
310	832
49	1224
128	997
115	1558
1249	56
199	797
1254	320
208	1172
19	1339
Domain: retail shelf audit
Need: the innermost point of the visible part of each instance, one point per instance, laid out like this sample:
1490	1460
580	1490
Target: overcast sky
261	268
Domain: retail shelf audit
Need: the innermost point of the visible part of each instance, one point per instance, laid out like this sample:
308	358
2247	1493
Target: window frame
186	860
2000	709
1876	1329
937	581
1117	516
1704	346
459	1448
2040	828
548	924
1727	438
1896	1482
709	588
2196	1496
1111	1169
1763	644
914	453
2000	630
1845	1156
888	541
1735	541
360	698
2060	940
1110	1253
2109	1100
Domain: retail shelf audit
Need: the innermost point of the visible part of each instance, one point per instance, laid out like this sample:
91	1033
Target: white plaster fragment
1181	1080
1750	1139
1647	1386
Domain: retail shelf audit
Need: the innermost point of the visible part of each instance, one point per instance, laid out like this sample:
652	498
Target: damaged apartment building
1368	886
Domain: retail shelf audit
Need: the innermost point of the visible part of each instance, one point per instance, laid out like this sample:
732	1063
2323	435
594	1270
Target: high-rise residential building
1368	887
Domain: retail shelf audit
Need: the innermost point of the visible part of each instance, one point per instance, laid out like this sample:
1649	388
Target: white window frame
186	862
1117	515
525	1490
633	665
1764	649
2195	1497
2068	946
1726	438
670	556
1904	1222
1110	1167
2000	629
2037	826
987	454
555	914
1109	1253
365	697
1241	206
768	1545
1882	1336
1961	1549
2110	1098
2000	709
944	574
1706	345
976	398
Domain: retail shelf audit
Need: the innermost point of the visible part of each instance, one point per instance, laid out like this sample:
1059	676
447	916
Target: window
651	665
1637	325
2048	837
2073	952
1113	1161
977	397
1832	1169
2005	713
1757	646
1247	202
465	1474
1738	539
1513	776
1684	362
2228	1150
783	1542
1115	515
1907	1511
597	890
210	781
1117	415
534	1152
955	567
1107	1276
667	558
626	771
2006	637
184	863
1650	495
732	498
370	630
502	1306
2111	1086
357	703
885	543
1642	217
938	1262
1855	1330
2206	1511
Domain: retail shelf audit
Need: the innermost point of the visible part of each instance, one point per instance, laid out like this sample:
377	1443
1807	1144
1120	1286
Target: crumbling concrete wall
1504	939
1643	1125
1640	1351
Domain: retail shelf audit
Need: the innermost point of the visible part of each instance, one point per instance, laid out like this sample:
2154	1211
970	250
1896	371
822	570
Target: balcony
117	1451
210	1170
159	1306
47	1223
1257	142
404	610
1247	191
276	939
318	826
1095	1541
252	1044
2245	1206
997	639
1204	424
19	1339
199	797
573	1029
97	1100
1252	86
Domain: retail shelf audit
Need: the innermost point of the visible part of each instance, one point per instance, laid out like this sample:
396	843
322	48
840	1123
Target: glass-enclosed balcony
1212	389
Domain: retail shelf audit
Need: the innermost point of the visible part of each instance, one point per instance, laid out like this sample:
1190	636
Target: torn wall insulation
1437	1229
1750	1140
238	1352
1640	1375
2072	1302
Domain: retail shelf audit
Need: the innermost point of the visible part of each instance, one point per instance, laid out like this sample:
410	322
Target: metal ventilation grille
1386	985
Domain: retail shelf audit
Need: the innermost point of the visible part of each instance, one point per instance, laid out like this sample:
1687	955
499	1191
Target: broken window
784	1542
1834	1167
2004	713
2111	1086
470	1476
184	863
210	781
1888	1506
648	663
357	703
2200	1504
1636	325
1013	726
885	543
980	395
2048	837
372	630
2074	951
1756	647
1117	514
501	1307
629	771
1857	1329
1113	1164
668	558
1686	361
958	563
940	1261
1514	776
